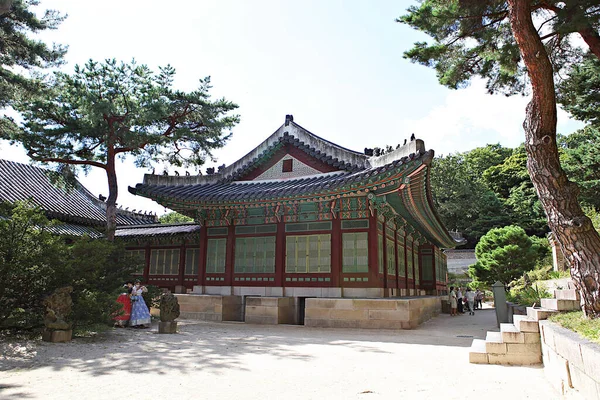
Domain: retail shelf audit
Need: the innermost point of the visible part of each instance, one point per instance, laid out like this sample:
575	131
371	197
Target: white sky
335	65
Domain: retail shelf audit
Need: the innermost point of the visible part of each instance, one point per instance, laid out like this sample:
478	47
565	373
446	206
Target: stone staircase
518	343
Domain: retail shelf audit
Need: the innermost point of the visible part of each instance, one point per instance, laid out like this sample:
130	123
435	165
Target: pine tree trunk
579	241
111	202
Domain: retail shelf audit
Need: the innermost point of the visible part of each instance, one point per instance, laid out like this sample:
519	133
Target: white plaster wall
298	169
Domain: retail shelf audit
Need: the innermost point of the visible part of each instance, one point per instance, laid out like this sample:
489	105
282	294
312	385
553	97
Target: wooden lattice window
191	261
391	257
308	254
215	257
380	252
287	165
355	252
416	260
401	265
164	262
140	260
409	260
255	255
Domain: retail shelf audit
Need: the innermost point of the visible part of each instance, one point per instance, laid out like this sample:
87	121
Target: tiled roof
74	230
157	230
65	202
266	189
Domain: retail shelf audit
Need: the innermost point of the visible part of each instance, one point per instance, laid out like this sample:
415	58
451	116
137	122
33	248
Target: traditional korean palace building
299	217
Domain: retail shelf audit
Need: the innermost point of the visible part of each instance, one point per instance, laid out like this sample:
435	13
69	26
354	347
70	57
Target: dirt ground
241	361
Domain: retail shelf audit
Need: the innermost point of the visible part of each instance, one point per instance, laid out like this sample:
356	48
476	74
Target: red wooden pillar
202	255
373	249
181	270
412	254
336	252
397	263
280	254
230	255
384	260
146	274
405	263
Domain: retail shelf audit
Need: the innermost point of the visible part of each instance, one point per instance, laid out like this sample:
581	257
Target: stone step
477	354
524	324
538	314
515	359
494	344
567	294
510	334
561	305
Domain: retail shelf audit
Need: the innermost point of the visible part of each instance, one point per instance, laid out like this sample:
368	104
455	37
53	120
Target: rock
58	307
167	327
169	307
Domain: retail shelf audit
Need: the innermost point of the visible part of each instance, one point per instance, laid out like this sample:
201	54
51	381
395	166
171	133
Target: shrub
504	254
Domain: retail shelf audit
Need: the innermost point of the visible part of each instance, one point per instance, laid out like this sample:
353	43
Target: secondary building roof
67	201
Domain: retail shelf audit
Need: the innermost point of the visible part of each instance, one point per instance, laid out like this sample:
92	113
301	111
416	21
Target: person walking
471	301
459	298
452	301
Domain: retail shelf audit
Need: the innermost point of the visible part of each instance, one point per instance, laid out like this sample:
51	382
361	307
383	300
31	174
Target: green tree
581	159
504	254
506	42
105	111
174	217
31	264
21	51
579	93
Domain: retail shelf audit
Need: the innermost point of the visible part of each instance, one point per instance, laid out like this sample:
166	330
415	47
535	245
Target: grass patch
88	331
576	321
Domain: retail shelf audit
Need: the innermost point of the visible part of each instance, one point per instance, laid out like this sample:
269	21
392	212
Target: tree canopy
504	254
20	50
520	46
106	111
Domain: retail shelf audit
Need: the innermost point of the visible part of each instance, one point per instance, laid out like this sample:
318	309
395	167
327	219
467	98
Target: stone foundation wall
371	313
270	310
571	363
210	307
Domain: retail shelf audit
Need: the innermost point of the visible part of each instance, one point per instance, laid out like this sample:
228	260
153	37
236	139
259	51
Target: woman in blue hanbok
140	315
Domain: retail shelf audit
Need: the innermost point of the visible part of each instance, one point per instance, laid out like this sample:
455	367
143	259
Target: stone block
524	324
531	337
590	354
583	383
556	369
349	314
261	319
560	305
317	313
167	327
567	345
538	314
57	336
514	359
375	304
567	294
495	347
345	304
510	334
379	324
409	324
547	334
391	315
524	348
477	352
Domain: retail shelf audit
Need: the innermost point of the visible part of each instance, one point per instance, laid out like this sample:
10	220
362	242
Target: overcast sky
335	65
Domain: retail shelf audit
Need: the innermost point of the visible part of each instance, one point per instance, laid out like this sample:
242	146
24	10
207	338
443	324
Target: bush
576	321
34	262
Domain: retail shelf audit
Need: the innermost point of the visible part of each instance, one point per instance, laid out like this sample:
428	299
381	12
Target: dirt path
240	361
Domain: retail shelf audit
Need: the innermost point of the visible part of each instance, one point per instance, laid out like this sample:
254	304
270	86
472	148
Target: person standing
452	301
479	299
459	298
140	315
471	301
122	316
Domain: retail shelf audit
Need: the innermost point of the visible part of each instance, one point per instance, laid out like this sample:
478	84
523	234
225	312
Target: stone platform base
270	310
167	327
56	336
390	313
210	307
